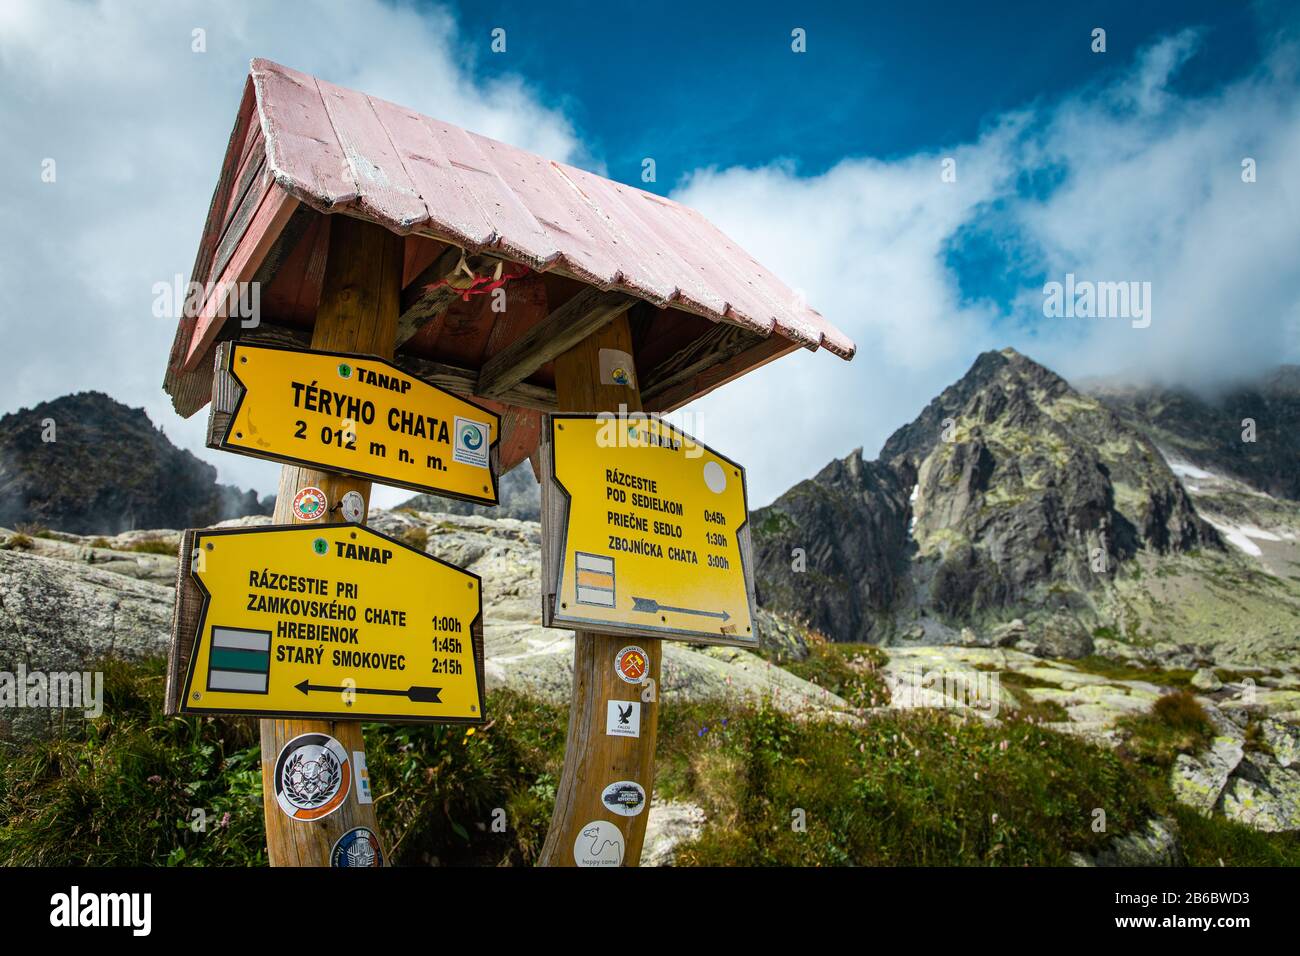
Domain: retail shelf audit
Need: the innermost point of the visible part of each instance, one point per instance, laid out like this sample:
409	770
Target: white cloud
1150	189
137	125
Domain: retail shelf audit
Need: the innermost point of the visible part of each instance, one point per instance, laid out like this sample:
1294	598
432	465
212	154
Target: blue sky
826	165
700	85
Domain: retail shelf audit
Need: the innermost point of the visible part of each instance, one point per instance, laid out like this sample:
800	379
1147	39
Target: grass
916	787
1218	842
851	671
17	542
909	788
152	547
417	537
1176	724
137	788
1119	670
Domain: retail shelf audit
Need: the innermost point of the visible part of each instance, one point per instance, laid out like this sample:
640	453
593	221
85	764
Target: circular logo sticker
715	478
309	504
357	847
353	507
320	546
345	370
599	843
619	375
626	798
631	664
471	436
312	776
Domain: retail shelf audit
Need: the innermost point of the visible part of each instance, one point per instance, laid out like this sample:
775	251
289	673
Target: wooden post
359	305
593	759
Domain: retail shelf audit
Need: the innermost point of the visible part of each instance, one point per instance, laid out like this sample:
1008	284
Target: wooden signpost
540	295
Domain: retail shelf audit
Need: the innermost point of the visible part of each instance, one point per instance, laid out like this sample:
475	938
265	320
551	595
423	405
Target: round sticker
345	370
358	847
471	436
626	798
310	504
353	507
631	664
715	477
312	776
599	843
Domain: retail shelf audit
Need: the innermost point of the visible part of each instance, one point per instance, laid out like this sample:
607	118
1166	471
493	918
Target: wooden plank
572	323
455	379
722	342
226	392
594	759
358	313
185	625
429	294
255	181
276	208
700	384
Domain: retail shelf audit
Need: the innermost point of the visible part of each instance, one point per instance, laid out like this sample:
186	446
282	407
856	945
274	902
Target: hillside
518	496
1212	431
107	469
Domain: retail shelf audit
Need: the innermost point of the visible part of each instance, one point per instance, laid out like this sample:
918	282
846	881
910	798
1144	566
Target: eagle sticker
623	718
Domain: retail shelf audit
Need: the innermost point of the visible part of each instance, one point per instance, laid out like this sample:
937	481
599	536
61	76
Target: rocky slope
87	464
67	602
1211	431
1011	495
518	496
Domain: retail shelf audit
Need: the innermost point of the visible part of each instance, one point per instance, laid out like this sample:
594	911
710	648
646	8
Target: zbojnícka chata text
645	531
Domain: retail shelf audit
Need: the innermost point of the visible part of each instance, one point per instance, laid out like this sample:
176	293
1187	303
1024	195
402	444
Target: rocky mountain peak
1009	489
87	464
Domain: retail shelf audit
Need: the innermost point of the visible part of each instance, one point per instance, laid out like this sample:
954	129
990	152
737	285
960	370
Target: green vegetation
1118	670
1176	724
1214	841
17	542
851	671
417	537
153	546
919	787
909	788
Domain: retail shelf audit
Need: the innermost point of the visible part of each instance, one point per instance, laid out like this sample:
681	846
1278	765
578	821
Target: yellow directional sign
645	532
355	414
332	621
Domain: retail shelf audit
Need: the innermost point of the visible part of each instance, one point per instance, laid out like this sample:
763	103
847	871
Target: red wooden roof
335	148
302	148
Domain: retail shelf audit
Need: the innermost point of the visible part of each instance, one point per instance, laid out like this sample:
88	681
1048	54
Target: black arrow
418	695
651	606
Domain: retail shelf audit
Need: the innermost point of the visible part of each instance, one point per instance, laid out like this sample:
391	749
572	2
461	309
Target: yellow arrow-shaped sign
334	621
356	414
